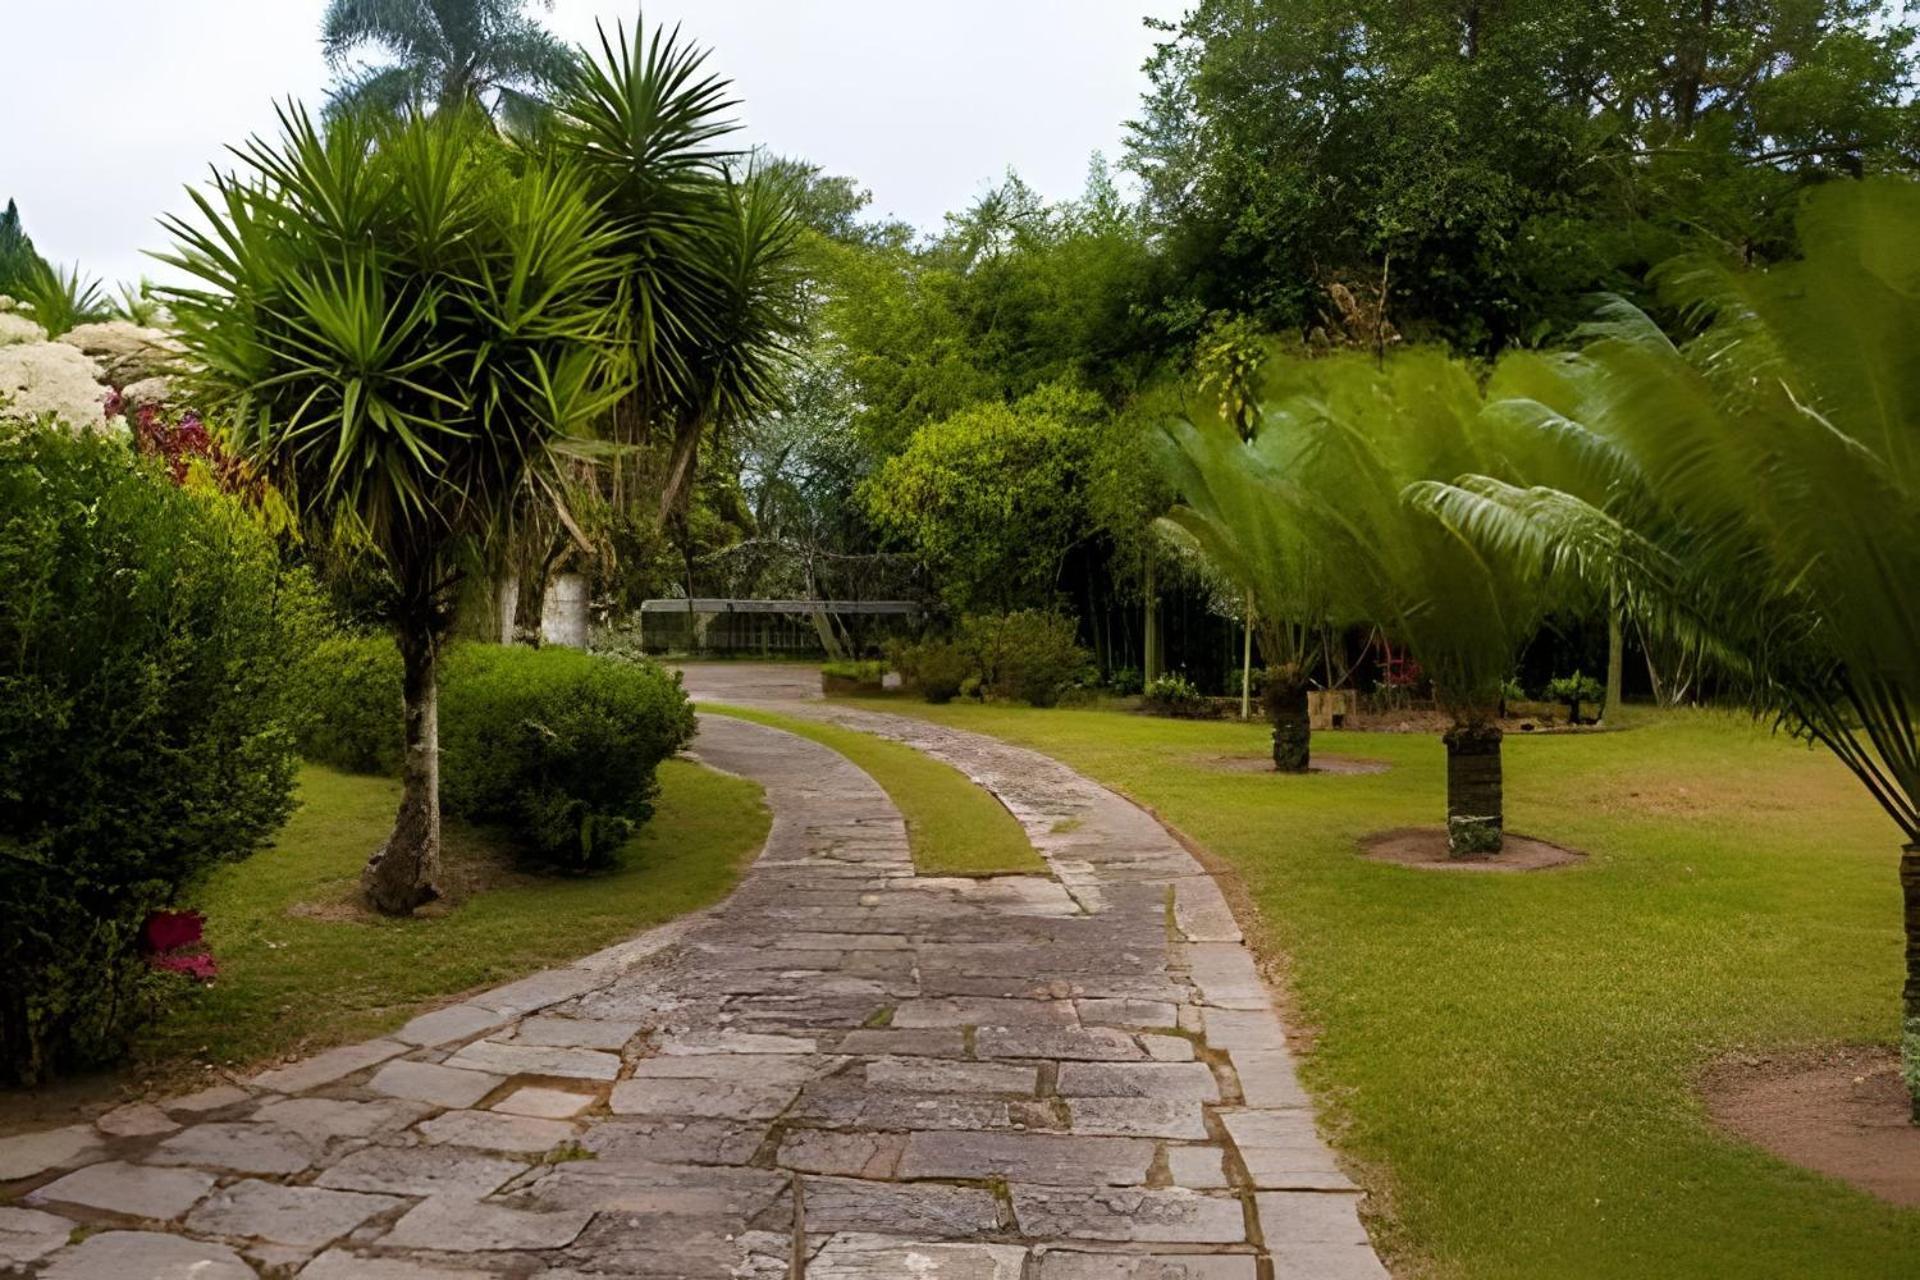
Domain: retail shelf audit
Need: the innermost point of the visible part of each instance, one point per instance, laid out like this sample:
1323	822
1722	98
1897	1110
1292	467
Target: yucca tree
401	322
1760	487
1340	445
714	277
485	54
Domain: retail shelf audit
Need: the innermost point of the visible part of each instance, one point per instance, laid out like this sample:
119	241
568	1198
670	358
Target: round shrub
558	745
1174	695
1032	656
144	644
349	712
936	669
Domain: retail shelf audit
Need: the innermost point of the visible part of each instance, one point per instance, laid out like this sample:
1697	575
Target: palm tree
401	322
1759	487
1330	491
445	53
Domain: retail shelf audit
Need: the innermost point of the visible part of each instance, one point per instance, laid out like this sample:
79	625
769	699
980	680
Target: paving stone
870	1257
755	1069
941	1075
27	1234
1198	1168
1126	1013
1326	1262
1226	976
137	1191
243	1148
434	1084
337	1264
536	1060
541	990
1239	1029
308	1216
1050	1158
922	1210
146	1255
1162	1080
549	1104
469	1226
675	1141
1269	1080
454	1023
216	1098
577	1033
1283	1152
709	1099
1138	1117
923	1042
325	1068
136	1120
1310	1217
747	1042
324	1119
853	1155
420	1171
1091	1044
653	1190
1119	1266
1200	911
493	1131
1168	1048
1128	1214
982	1011
31	1154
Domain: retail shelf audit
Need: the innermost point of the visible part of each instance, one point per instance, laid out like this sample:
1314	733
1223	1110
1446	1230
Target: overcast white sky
109	107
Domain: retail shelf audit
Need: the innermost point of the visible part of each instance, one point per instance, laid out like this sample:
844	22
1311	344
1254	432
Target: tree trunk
401	874
1475	811
1246	662
506	600
1616	660
1150	663
1286	699
1910	1019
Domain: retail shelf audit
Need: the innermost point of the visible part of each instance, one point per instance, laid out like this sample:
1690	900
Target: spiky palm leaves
1317	513
401	321
1760	487
445	54
713	255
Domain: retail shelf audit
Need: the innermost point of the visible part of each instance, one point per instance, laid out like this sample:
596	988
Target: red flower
170	930
199	965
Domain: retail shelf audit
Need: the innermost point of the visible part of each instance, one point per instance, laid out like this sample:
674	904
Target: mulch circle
1842	1111
1332	764
1426	848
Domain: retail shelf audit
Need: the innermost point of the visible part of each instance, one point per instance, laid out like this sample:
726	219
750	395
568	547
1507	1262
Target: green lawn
301	968
954	827
1509	1058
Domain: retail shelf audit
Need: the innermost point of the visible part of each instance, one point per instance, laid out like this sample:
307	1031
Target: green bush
349	712
1174	695
145	632
1125	681
1571	691
558	745
1031	656
937	669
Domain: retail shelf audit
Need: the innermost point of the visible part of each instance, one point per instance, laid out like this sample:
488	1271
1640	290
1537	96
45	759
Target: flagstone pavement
845	1072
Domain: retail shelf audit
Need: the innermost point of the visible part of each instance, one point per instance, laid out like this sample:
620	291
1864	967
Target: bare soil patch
1841	1111
1426	848
1322	763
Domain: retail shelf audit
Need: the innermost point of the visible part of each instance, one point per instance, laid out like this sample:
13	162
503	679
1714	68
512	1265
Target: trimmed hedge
558	745
145	632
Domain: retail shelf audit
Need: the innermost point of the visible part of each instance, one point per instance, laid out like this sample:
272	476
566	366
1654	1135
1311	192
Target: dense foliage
145	632
558	745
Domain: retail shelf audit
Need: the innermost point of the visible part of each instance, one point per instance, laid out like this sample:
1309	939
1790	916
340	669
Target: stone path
847	1072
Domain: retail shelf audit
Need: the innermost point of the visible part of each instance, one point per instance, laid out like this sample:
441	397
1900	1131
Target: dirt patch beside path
1839	1111
1426	848
1334	764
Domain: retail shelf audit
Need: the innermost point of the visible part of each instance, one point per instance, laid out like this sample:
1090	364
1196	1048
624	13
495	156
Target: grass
954	827
1510	1058
301	968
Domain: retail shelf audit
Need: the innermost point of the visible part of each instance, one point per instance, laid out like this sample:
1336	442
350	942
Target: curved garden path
846	1072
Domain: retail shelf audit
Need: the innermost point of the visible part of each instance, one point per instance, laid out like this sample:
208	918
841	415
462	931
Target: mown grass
302	968
1510	1058
954	827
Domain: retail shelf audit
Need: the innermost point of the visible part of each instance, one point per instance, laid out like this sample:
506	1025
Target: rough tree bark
1285	696
403	872
1910	1019
1475	809
1616	665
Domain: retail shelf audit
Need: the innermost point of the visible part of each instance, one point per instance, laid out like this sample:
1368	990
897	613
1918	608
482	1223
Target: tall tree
18	259
400	321
443	53
1759	489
